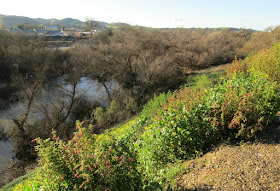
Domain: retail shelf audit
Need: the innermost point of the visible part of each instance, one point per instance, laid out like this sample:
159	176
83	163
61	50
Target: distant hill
64	22
12	21
9	21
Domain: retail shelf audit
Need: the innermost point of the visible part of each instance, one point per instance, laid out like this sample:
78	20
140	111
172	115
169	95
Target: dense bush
154	104
146	61
117	111
203	82
132	157
265	63
241	106
236	67
180	130
191	121
89	161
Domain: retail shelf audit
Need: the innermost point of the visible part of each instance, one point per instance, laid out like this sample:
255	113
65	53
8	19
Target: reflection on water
51	93
6	153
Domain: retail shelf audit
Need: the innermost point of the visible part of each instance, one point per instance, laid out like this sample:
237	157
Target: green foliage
181	130
86	164
266	62
241	106
117	111
99	116
203	82
31	183
236	67
130	106
251	94
191	121
24	182
154	104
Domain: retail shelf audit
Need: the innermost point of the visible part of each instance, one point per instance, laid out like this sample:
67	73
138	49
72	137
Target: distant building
20	31
69	33
41	32
54	33
30	32
52	28
85	34
49	31
13	31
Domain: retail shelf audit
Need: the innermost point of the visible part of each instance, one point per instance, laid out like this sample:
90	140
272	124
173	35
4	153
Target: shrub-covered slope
147	152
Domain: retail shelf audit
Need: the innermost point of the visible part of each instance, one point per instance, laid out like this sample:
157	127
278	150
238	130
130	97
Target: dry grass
246	167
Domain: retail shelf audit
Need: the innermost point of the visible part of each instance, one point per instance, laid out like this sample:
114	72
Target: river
49	93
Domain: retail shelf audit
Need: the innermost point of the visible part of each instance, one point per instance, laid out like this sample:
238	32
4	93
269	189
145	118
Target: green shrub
191	121
181	130
99	116
83	163
117	111
241	106
124	138
154	104
267	62
203	82
237	66
28	182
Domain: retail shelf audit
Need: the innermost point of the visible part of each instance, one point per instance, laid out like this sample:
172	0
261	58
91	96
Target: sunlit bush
266	62
241	106
83	164
181	130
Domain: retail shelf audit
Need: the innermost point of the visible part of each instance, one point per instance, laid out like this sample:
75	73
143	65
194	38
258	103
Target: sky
254	14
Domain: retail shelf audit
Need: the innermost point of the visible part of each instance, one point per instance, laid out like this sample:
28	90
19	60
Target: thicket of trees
147	60
262	39
142	61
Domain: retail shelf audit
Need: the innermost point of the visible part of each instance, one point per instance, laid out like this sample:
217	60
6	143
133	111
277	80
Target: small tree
91	25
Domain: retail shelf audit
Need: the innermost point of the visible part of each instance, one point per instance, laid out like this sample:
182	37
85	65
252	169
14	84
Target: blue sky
255	14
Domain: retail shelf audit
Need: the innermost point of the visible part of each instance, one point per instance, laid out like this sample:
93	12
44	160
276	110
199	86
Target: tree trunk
107	91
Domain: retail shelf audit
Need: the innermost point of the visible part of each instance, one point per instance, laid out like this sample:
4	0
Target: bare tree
91	25
33	69
21	132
